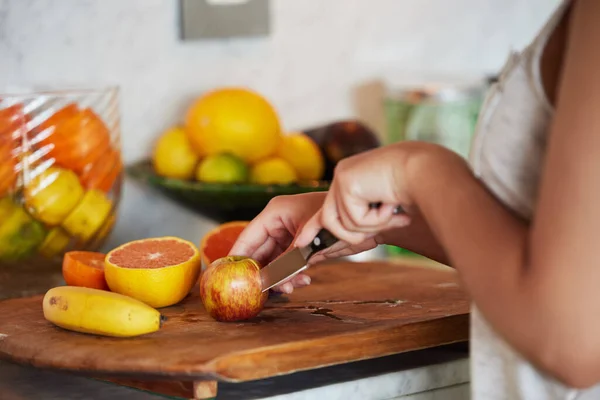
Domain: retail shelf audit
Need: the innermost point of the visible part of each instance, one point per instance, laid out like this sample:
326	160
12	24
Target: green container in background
444	113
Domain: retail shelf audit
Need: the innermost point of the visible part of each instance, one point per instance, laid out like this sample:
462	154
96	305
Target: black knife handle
397	210
323	240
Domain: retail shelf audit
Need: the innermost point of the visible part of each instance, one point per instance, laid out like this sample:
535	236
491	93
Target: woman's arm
539	286
416	237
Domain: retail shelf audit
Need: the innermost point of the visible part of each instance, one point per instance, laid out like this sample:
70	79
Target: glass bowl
60	179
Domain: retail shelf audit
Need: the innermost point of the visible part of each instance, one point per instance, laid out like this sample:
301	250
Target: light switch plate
214	19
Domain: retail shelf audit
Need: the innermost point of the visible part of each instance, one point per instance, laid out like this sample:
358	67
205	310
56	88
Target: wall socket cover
214	19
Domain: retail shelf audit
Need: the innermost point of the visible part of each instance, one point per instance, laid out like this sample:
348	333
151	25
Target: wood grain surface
352	311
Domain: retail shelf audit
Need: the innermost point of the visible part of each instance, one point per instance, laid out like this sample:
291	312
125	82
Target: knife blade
294	261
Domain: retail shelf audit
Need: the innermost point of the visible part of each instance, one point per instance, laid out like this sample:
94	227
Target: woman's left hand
372	177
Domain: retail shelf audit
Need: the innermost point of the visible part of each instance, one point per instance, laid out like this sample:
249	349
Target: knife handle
397	210
323	240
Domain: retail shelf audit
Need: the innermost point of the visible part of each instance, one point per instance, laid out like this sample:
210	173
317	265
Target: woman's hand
273	231
373	177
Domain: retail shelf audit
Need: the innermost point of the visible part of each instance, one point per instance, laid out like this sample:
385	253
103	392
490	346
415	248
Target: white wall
318	51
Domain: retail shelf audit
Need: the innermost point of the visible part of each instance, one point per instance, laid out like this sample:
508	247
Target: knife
294	261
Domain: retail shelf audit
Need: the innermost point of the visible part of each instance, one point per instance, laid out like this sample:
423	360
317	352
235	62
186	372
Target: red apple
231	289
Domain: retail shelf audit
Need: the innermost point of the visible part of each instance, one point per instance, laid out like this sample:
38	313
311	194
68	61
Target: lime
20	235
222	168
273	171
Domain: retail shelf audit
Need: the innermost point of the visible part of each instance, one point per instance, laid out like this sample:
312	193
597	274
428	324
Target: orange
47	127
303	154
12	122
104	172
85	269
8	173
75	138
218	242
233	120
157	271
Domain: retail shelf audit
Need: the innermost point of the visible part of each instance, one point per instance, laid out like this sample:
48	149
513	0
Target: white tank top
506	155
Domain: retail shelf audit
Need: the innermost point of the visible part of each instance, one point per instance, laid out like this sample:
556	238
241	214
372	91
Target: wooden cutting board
351	311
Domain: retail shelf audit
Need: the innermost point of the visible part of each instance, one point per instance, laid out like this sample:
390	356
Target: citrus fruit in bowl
219	202
173	155
235	120
157	271
52	194
222	168
302	153
273	171
61	172
20	234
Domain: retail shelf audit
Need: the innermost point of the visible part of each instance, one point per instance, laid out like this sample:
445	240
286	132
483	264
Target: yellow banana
99	312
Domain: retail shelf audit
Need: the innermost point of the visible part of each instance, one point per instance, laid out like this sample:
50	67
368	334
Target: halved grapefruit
218	241
158	271
85	269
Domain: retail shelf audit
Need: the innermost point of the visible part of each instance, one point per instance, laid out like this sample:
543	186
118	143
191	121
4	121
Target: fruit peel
231	289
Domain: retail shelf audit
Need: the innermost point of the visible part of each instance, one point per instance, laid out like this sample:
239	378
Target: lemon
222	168
273	170
52	195
233	120
89	215
173	156
303	154
20	235
56	241
104	231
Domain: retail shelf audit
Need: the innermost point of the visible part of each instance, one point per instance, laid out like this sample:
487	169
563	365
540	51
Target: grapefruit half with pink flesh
158	271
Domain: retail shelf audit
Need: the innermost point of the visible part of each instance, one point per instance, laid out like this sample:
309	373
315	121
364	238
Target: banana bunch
99	312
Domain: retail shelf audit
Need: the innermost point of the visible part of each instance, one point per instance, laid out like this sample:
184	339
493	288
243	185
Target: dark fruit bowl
219	202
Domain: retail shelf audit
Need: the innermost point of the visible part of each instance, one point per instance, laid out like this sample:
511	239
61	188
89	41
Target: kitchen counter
437	373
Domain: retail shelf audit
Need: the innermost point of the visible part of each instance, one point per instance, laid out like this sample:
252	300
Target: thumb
308	232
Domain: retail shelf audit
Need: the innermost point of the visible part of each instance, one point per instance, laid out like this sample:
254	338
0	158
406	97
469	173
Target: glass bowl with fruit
230	155
60	179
